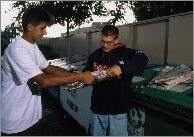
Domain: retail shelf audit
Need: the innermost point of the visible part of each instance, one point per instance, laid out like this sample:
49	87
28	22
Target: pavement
1	60
55	120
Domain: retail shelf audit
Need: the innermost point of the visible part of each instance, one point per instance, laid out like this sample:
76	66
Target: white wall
164	40
150	38
79	44
94	41
60	46
124	34
180	44
69	48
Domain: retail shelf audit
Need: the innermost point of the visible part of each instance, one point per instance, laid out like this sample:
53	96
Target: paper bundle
77	85
171	76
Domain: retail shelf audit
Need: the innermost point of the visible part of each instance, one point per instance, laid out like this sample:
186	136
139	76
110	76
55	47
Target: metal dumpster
156	112
77	104
68	64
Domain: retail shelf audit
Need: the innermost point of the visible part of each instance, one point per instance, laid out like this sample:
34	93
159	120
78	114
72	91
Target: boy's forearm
61	80
54	71
46	81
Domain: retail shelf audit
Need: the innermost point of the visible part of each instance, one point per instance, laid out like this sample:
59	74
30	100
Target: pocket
120	116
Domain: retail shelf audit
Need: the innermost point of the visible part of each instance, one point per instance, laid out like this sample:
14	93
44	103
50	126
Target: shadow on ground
56	121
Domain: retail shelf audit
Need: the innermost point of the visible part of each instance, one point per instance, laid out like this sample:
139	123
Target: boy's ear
30	27
117	41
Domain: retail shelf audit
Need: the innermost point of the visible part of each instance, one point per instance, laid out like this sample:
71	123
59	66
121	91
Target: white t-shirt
21	105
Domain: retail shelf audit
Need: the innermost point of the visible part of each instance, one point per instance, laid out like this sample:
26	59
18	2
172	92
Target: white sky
54	30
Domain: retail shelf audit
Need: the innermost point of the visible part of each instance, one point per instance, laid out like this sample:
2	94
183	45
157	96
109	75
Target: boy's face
37	32
108	43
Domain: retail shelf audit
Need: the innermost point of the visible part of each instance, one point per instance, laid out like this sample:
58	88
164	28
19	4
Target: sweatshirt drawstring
108	58
100	65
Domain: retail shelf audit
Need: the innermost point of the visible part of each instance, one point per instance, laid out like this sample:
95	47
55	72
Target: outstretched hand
88	78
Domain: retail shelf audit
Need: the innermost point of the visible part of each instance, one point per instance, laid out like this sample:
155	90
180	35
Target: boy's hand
87	77
114	71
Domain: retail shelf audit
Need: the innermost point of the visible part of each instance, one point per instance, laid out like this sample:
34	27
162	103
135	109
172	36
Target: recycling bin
157	112
71	64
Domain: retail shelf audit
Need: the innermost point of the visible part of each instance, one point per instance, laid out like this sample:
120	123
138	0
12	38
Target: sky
56	30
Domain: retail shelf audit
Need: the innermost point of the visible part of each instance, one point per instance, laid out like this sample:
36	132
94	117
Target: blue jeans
109	125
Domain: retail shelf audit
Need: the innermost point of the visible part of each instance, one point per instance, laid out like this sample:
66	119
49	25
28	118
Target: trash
77	85
171	76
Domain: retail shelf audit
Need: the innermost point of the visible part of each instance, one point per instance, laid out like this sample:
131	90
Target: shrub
45	49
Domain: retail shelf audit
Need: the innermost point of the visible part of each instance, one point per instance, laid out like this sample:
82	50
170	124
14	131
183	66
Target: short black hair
34	16
110	30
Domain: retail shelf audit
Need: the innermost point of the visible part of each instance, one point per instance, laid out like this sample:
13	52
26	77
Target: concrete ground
1	60
56	121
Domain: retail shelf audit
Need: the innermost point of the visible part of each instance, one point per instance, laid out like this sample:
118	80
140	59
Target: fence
164	40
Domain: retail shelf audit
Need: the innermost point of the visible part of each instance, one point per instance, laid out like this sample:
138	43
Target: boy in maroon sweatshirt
110	99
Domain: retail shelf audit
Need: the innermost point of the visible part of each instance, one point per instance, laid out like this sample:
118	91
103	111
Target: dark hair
110	30
35	16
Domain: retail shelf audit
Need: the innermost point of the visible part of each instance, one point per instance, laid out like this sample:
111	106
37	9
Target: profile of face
37	32
108	43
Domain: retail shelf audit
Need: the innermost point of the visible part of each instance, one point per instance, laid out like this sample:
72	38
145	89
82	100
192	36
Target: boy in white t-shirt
23	66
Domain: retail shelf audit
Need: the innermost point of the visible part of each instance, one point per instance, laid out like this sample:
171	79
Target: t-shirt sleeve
25	66
42	62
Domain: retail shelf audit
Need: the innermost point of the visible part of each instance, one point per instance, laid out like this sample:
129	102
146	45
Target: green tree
4	42
73	13
45	49
8	35
144	10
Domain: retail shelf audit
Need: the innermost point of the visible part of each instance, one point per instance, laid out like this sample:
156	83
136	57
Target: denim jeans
109	125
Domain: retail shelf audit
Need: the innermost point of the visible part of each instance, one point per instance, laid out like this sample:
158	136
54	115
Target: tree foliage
4	42
73	13
144	10
45	49
8	35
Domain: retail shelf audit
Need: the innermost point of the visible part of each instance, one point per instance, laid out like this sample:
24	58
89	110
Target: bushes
45	49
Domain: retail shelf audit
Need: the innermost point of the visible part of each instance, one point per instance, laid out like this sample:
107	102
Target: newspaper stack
171	76
77	85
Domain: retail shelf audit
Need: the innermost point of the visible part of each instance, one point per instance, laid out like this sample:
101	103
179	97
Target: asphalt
55	120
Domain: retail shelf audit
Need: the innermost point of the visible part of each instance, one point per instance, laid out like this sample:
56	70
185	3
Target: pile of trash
171	76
